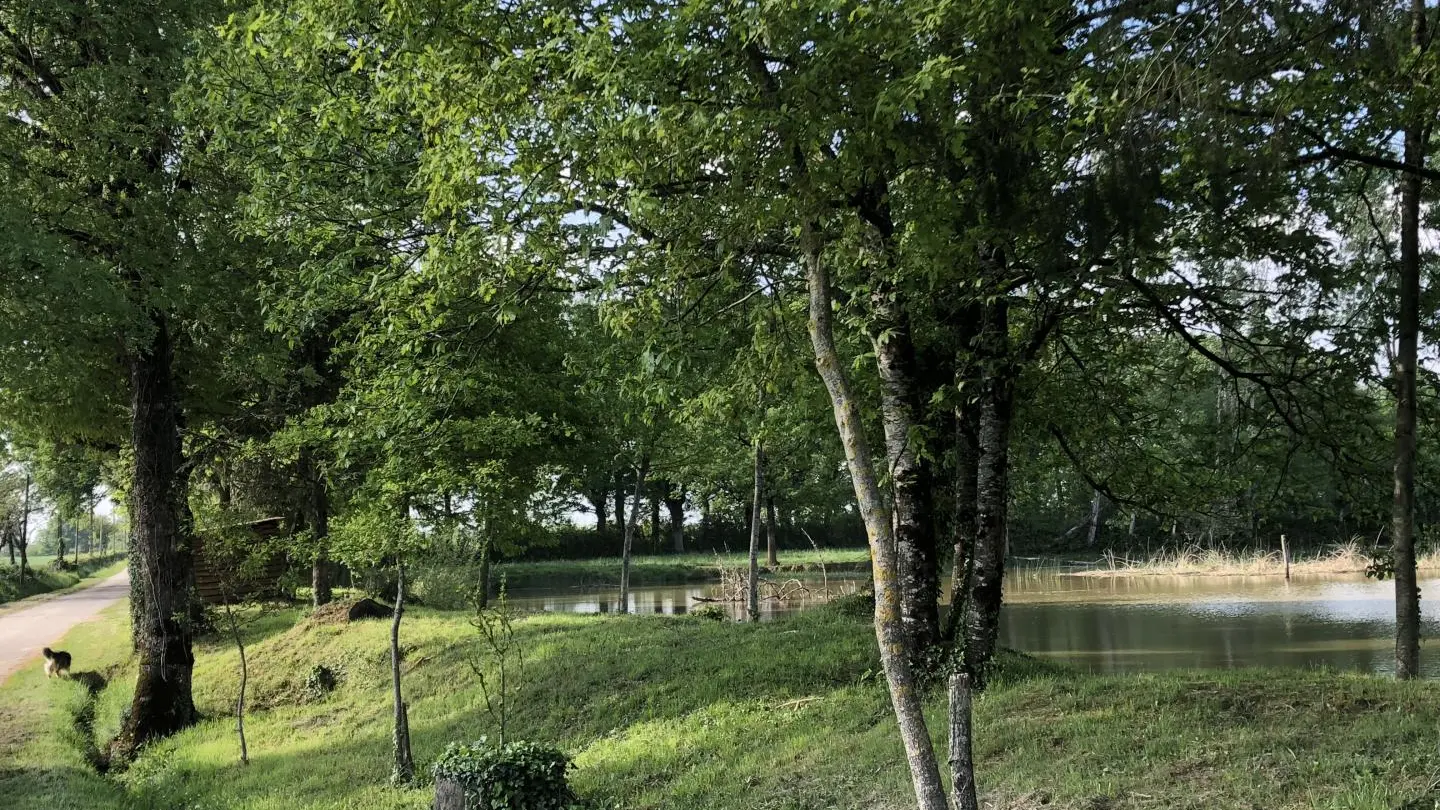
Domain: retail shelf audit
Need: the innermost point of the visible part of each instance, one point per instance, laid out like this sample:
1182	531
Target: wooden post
1285	554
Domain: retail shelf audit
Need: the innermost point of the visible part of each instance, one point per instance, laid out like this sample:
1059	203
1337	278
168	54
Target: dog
57	662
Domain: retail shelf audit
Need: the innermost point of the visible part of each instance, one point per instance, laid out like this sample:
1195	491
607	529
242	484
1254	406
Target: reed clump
1197	560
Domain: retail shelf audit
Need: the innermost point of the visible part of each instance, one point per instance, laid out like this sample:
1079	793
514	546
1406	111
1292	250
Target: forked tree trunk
752	598
1407	593
404	762
987	574
162	575
631	526
905	696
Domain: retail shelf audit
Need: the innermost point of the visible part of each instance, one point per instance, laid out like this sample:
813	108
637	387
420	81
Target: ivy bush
508	776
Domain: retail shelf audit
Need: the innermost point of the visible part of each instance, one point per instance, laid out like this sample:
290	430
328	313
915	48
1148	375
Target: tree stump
449	794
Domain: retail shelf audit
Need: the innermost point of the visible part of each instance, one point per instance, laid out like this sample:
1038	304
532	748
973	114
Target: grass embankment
1348	558
671	568
680	712
43	577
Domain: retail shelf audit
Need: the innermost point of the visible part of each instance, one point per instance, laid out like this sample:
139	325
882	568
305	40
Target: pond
1121	623
1149	623
796	594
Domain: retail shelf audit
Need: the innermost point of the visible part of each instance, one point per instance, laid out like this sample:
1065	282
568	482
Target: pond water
1125	623
798	594
1148	623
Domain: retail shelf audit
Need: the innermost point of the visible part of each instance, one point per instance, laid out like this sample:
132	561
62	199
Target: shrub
713	613
509	776
858	605
320	681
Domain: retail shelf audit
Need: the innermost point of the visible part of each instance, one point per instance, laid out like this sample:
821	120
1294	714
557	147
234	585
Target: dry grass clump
1196	560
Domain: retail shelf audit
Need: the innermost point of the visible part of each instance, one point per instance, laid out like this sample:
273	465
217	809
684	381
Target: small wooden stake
1285	553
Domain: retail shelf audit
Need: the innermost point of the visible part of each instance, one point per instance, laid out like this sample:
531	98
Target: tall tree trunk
631	526
244	680
1407	592
655	519
404	762
24	538
620	521
482	596
752	599
962	759
964	526
600	502
905	696
60	535
162	605
772	534
675	502
982	607
320	578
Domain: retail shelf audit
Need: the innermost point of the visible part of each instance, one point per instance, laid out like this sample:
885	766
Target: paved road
24	632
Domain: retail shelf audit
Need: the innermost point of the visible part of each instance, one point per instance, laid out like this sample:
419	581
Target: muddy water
1148	623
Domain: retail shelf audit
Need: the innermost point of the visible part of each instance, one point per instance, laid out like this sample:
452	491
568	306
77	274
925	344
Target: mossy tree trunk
905	695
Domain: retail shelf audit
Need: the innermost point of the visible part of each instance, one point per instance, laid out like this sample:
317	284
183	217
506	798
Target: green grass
43	578
679	712
667	569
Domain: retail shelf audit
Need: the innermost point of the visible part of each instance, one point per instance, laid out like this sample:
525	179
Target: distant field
43	578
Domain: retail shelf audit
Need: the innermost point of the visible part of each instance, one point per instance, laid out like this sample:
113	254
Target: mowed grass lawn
687	713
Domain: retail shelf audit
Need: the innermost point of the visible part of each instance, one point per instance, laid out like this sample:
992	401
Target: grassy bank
670	568
44	577
682	713
1198	561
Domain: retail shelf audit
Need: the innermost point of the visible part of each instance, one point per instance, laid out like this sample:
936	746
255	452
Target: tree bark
620	521
244	680
404	761
675	502
654	519
965	527
1407	592
753	583
631	526
982	607
600	502
24	538
890	633
962	760
320	579
161	569
482	597
1095	504
772	534
60	536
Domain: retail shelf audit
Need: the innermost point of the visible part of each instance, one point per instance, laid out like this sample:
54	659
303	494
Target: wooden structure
212	580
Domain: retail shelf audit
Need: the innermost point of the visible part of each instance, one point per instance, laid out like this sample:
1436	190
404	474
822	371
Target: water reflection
680	599
1132	624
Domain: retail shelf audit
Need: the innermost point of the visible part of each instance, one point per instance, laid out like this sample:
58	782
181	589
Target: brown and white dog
57	662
